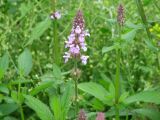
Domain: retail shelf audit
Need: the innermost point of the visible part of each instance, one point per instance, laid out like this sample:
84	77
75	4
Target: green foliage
39	107
60	104
7	108
25	62
41	87
35	78
150	113
38	30
94	89
4	62
146	96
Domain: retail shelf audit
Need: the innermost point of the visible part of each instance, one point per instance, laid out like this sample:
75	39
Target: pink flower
82	115
78	30
84	59
56	15
100	116
66	56
76	40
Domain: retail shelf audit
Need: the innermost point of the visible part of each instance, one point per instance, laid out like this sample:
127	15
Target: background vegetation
34	86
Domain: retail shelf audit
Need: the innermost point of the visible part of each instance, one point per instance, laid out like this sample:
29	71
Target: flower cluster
100	116
55	15
120	16
76	40
82	115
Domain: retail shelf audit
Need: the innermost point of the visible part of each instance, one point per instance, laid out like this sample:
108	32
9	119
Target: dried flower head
76	73
100	116
120	16
76	40
82	115
55	15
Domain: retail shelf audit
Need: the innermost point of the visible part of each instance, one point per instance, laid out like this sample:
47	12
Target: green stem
76	96
76	89
127	115
117	80
19	98
117	85
56	42
21	111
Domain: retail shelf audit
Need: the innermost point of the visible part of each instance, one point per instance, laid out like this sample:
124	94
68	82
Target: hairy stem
56	42
76	89
117	80
19	98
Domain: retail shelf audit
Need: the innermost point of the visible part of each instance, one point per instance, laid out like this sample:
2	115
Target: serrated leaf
60	104
145	96
41	87
25	62
150	113
56	107
39	107
39	29
94	89
66	100
6	109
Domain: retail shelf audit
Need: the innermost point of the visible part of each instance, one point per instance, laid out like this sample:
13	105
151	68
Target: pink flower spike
100	116
82	115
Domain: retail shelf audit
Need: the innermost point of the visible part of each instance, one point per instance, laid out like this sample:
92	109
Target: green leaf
97	105
25	62
41	87
129	36
145	96
9	118
147	2
4	63
123	96
4	89
107	49
57	72
60	104
25	8
56	107
6	109
39	29
94	89
39	107
150	113
66	100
